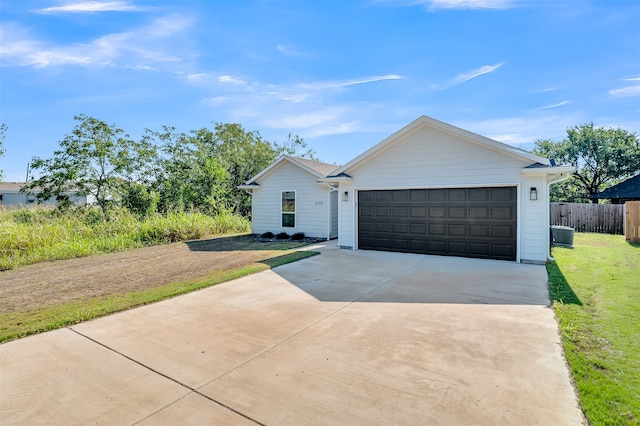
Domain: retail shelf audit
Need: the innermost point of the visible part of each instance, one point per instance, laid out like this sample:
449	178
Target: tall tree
94	159
602	156
3	131
203	168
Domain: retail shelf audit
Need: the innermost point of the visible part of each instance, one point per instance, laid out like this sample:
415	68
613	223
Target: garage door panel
436	247
480	194
458	194
383	227
470	222
437	229
503	231
367	211
401	228
437	195
367	226
457	229
418	195
400	212
400	196
383	211
419	212
503	194
479	230
458	248
501	213
481	212
457	212
418	228
437	212
480	249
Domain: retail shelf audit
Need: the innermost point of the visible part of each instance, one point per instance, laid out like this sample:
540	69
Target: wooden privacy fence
601	218
632	229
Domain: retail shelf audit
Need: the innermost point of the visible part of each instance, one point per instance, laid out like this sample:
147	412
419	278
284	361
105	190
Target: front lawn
595	289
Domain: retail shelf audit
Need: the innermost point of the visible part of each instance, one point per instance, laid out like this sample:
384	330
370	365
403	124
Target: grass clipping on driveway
259	256
596	295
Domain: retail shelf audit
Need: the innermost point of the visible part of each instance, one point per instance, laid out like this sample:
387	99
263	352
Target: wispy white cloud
469	4
230	80
296	107
466	76
286	50
559	104
196	77
432	5
346	83
549	89
92	7
150	44
143	68
627	91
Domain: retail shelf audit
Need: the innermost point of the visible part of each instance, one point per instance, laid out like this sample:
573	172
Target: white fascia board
555	170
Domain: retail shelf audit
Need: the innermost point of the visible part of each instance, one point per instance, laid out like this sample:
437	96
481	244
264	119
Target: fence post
632	221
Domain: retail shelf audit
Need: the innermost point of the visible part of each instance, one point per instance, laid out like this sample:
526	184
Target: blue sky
341	74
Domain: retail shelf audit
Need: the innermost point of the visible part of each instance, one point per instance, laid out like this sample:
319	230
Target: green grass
596	295
21	324
45	234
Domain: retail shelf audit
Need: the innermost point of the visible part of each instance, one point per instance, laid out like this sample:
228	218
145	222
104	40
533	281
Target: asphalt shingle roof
324	169
629	188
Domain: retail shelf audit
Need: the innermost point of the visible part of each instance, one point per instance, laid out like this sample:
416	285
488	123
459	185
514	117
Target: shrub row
298	236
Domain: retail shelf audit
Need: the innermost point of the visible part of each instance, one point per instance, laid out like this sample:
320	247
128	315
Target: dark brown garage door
468	222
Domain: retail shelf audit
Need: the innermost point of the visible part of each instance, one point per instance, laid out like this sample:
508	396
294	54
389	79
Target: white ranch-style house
429	188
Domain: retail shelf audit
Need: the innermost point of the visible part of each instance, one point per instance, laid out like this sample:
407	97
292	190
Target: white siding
535	220
428	158
312	202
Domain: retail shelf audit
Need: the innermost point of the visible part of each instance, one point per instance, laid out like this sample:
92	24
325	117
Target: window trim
294	212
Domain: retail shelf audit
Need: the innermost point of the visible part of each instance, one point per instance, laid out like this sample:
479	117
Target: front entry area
468	222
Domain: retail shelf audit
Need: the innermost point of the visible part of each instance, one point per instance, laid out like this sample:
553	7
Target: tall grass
42	234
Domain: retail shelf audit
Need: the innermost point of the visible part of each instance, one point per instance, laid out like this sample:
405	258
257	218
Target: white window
288	209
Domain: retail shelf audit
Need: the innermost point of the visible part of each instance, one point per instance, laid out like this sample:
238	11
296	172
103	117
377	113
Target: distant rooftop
628	189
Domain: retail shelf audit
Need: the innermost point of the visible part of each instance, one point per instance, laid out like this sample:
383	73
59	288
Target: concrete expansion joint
166	377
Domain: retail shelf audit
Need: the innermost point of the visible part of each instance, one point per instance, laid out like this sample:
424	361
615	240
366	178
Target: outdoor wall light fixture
533	193
345	196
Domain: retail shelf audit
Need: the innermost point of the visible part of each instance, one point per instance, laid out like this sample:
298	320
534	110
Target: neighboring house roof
425	121
10	187
627	189
316	168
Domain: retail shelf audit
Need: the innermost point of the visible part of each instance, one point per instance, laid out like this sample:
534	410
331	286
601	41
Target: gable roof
629	188
424	121
316	168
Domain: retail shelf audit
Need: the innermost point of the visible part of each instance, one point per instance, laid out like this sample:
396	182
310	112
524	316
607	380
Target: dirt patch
52	283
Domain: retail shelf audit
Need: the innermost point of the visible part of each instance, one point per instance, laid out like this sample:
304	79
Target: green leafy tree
203	168
602	156
3	132
95	159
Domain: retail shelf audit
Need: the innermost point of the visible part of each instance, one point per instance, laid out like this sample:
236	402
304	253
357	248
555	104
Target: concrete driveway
341	338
